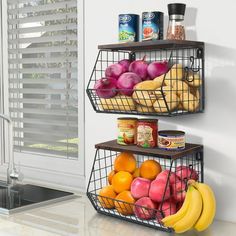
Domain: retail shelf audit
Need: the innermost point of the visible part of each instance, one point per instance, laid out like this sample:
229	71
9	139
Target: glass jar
176	30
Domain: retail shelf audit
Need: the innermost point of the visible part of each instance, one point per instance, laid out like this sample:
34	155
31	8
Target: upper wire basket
179	91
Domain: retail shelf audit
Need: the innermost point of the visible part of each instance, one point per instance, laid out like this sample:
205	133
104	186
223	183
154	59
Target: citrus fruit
149	169
110	176
124	208
121	181
105	193
136	173
125	161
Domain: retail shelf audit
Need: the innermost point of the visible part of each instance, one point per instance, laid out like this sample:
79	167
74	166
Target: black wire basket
191	157
179	91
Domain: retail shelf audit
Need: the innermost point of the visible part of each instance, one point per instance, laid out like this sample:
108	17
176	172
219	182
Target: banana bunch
197	211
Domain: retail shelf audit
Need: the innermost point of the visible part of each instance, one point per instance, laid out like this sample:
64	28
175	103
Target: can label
128	28
152	26
171	142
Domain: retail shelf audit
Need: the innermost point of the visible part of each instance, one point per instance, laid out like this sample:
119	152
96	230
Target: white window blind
43	95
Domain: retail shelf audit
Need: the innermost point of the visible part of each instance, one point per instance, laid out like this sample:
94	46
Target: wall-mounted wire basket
179	91
191	156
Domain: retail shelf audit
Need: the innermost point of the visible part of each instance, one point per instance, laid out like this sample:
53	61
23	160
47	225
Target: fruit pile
150	193
137	85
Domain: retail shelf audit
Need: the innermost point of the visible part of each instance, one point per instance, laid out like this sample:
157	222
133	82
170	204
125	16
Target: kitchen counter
77	217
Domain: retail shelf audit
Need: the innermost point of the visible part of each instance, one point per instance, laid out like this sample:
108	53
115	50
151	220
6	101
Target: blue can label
128	28
152	25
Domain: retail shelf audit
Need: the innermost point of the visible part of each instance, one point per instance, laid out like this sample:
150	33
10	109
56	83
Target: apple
184	172
168	208
159	190
141	211
164	175
178	191
140	187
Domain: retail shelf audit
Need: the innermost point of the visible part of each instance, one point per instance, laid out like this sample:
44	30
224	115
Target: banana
209	206
193	212
169	221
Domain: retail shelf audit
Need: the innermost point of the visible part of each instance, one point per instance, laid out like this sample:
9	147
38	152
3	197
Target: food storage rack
185	79
191	156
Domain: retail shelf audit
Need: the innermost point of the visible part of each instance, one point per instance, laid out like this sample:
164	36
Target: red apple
141	211
178	191
159	190
140	187
164	175
168	208
184	172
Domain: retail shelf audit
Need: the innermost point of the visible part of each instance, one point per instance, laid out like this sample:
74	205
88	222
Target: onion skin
125	64
114	71
139	67
106	87
126	83
156	69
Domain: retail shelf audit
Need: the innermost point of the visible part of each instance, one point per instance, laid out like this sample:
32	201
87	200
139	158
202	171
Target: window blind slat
43	70
43	91
43	81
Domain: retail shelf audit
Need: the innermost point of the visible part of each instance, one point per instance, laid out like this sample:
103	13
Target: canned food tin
127	128
128	28
147	133
171	140
152	25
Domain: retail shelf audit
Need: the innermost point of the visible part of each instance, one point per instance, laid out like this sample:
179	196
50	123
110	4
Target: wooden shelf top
113	146
150	45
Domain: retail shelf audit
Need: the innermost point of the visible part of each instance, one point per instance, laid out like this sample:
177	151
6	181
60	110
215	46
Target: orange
110	176
125	161
125	208
105	194
136	173
149	169
121	181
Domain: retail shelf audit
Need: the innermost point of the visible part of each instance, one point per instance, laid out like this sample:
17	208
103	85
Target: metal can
147	133
128	28
127	128
152	25
171	140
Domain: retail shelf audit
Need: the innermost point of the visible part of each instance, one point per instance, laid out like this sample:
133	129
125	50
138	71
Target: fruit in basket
110	176
118	103
126	83
179	87
144	109
159	190
185	173
106	196
164	176
170	103
126	206
166	209
194	79
178	190
140	187
121	181
139	67
175	73
125	63
125	161
157	68
149	169
189	101
114	71
160	81
136	173
106	87
141	211
142	96
209	206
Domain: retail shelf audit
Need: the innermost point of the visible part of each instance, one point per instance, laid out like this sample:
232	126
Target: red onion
126	83
156	69
114	71
106	87
139	67
125	64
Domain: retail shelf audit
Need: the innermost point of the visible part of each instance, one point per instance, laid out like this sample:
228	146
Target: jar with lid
176	30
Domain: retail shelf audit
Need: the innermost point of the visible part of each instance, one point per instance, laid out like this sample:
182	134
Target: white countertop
77	217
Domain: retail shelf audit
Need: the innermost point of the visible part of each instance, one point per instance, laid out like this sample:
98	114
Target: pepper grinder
176	30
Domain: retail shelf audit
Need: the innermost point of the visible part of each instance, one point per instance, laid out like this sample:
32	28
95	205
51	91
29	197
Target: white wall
208	21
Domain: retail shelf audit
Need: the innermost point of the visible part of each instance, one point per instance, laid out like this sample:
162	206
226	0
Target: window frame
65	173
